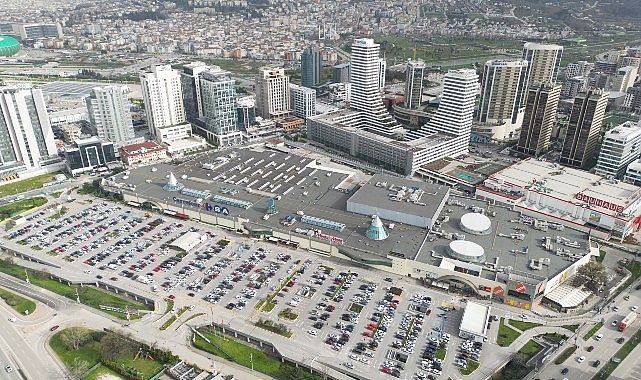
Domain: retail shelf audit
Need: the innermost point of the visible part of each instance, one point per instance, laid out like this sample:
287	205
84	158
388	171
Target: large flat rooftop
499	247
302	183
567	183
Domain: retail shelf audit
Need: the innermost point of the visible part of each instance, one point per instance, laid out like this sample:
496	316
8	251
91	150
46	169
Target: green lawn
601	255
168	323
170	305
12	209
572	328
555	337
26	185
621	354
147	367
440	353
101	372
90	352
471	367
89	295
565	355
506	335
17	302
242	354
592	331
522	325
530	349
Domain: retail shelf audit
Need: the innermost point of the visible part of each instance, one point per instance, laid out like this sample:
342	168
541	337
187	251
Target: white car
8	368
312	332
523	316
581	359
349	365
635	308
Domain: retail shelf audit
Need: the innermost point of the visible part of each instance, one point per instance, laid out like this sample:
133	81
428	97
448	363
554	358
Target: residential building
366	67
447	133
629	61
500	112
71	132
620	146
501	88
311	67
584	127
605	67
272	93
26	137
573	86
544	61
219	100
580	68
623	79
538	119
339	92
303	101
142	153
109	114
632	101
414	72
162	94
88	154
341	73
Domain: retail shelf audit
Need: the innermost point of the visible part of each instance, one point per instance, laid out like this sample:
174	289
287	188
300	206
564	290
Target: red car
171	296
54	328
386	370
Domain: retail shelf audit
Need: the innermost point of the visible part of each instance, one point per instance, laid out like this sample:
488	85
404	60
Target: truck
627	321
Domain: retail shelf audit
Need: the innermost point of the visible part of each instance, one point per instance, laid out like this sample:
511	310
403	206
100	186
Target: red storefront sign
600	203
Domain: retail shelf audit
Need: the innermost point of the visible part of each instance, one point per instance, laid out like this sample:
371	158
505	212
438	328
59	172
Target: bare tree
78	368
74	337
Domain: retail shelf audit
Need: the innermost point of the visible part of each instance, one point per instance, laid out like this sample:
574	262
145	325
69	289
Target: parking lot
360	321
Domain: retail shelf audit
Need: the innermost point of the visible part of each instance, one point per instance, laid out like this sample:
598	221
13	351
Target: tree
78	368
592	275
113	345
74	337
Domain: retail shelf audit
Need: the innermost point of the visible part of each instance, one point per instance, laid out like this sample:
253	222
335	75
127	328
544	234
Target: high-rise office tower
501	90
341	73
621	145
303	101
544	61
365	94
218	102
414	71
311	66
109	114
584	127
541	104
272	93
26	138
162	94
190	84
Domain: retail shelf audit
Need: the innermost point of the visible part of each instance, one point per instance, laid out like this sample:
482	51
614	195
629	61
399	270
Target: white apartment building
162	94
365	77
272	93
303	101
501	111
110	115
621	145
624	78
455	111
26	137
